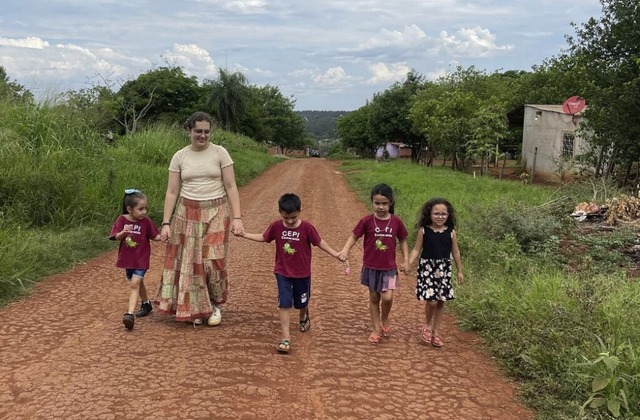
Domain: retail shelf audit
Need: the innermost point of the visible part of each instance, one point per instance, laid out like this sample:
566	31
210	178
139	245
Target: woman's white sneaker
216	316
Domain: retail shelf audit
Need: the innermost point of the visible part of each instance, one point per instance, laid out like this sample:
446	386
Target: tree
609	45
389	115
273	118
11	90
353	130
96	103
165	95
463	115
228	97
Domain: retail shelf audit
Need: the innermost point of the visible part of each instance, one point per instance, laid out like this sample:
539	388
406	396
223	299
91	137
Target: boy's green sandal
284	346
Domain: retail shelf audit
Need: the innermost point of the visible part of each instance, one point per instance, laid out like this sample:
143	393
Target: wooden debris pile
624	209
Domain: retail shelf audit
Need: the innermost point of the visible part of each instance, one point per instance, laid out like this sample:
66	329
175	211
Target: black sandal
305	323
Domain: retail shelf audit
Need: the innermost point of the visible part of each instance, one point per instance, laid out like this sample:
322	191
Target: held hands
237	228
165	233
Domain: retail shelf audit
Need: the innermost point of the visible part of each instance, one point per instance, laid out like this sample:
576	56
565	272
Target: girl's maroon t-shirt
379	244
135	248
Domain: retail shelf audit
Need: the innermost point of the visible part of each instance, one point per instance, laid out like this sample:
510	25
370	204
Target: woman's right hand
165	233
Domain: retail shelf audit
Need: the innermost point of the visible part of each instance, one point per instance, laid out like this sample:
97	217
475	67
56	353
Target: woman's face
200	135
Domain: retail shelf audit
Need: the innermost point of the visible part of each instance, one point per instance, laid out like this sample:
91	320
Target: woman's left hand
237	228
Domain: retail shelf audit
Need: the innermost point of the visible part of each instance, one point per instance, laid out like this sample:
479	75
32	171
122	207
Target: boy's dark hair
289	203
131	198
385	191
424	216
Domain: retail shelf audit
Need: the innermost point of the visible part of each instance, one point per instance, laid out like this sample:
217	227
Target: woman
201	206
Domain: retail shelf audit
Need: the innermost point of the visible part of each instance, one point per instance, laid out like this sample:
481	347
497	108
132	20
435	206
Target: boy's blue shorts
138	272
293	291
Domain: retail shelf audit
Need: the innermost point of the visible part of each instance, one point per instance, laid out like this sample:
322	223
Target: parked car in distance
314	153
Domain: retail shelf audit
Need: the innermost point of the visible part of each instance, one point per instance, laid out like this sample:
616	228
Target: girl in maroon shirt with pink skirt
379	272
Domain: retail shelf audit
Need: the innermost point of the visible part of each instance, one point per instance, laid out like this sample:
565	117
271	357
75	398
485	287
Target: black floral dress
434	267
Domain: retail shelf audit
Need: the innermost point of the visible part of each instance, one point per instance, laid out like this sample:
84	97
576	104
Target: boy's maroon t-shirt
379	244
293	248
135	248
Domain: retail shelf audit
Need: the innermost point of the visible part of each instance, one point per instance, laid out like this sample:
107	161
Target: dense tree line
165	95
462	116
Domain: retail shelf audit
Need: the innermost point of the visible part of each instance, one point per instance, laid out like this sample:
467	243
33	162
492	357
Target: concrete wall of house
545	133
392	149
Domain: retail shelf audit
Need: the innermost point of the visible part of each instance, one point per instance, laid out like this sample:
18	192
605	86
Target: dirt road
66	355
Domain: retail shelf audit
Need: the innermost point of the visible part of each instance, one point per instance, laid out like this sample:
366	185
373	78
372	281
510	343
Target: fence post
533	168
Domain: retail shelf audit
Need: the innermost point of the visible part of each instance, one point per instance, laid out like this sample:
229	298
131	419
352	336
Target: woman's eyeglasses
440	214
200	131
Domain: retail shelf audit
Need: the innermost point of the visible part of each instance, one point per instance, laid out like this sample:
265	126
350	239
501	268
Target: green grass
548	325
61	186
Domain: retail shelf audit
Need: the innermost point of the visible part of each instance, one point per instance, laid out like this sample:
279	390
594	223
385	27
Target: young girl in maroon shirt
379	272
134	230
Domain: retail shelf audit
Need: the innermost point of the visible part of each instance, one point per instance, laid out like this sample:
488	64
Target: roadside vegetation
569	336
555	303
61	186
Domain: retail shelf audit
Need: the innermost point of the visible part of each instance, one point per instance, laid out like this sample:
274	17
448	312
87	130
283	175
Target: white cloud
28	42
246	6
332	77
384	73
410	37
470	42
193	59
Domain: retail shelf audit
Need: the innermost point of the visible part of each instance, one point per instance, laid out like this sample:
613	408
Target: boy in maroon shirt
293	237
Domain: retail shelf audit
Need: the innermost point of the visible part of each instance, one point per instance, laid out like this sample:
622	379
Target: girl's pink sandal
426	335
374	339
436	341
386	332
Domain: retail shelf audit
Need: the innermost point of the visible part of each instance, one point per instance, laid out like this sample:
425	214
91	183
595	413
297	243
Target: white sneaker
216	316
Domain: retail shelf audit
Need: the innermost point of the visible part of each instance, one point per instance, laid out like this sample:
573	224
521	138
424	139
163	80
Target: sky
325	54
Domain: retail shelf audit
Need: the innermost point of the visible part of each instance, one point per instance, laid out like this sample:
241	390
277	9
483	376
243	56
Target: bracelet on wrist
237	218
166	224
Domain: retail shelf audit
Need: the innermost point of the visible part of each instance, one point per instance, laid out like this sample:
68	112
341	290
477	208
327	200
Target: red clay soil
66	355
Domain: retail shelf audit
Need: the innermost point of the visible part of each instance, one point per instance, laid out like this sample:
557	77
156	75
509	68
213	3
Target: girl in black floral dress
437	244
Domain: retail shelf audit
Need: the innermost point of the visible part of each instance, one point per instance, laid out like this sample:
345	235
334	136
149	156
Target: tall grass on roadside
61	186
570	339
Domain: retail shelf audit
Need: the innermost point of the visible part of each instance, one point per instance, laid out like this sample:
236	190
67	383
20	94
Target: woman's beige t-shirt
201	171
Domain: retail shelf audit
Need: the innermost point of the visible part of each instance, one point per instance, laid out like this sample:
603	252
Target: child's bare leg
374	309
143	292
438	311
285	318
429	309
303	313
134	285
387	302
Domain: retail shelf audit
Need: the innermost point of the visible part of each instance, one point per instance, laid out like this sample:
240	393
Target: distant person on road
201	207
437	244
134	230
379	271
293	239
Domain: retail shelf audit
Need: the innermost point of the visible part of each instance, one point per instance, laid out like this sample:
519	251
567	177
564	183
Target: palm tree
228	98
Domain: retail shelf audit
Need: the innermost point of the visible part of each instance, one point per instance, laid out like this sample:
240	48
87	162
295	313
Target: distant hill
321	124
